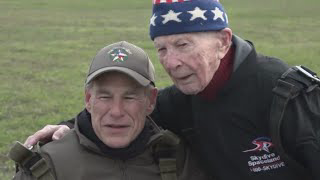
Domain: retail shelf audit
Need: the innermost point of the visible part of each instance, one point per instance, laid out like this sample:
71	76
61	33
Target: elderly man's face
118	107
190	59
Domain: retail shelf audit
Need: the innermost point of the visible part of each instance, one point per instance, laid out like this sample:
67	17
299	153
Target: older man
222	96
113	137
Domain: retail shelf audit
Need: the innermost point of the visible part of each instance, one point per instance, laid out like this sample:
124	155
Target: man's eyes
104	97
182	44
129	98
178	45
125	97
161	49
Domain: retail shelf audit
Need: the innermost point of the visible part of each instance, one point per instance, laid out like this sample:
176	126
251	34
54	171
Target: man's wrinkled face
191	59
118	106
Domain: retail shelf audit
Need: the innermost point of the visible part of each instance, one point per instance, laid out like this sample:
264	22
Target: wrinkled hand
49	132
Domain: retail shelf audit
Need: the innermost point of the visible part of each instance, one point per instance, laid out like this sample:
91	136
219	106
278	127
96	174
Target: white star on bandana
153	18
171	16
218	14
197	13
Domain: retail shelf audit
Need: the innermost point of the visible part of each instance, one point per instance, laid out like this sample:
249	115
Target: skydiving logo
262	144
261	159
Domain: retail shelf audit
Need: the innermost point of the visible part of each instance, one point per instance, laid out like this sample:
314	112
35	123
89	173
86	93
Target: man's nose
172	60
116	109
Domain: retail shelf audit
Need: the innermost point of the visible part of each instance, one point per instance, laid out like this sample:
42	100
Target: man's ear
88	100
152	100
225	41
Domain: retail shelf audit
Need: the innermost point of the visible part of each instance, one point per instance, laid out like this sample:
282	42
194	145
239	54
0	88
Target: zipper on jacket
123	168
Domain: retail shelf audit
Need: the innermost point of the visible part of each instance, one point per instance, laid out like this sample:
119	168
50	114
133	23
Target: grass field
46	47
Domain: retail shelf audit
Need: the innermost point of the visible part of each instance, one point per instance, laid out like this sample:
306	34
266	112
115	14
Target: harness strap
31	162
165	153
41	170
284	91
168	168
291	83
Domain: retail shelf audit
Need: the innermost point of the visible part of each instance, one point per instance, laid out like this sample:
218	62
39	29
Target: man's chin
117	143
188	89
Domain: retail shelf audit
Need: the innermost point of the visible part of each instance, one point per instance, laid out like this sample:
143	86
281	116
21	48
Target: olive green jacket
75	157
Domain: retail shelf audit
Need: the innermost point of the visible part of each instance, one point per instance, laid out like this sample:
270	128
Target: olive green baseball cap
126	58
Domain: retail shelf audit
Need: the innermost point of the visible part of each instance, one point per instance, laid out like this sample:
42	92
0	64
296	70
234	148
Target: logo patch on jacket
261	156
262	144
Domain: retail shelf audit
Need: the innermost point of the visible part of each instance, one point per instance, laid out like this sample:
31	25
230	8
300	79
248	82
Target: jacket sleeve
171	109
69	123
300	131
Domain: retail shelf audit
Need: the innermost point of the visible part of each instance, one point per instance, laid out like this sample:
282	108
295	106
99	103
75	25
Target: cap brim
139	78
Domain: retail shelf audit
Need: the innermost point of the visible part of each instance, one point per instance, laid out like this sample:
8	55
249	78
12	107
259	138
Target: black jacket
231	133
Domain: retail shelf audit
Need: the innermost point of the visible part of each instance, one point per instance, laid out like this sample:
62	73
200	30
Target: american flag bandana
183	16
168	1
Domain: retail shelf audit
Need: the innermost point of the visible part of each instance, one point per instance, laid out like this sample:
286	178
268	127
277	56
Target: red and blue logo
262	144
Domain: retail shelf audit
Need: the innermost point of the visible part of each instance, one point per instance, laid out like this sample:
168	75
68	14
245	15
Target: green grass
46	47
